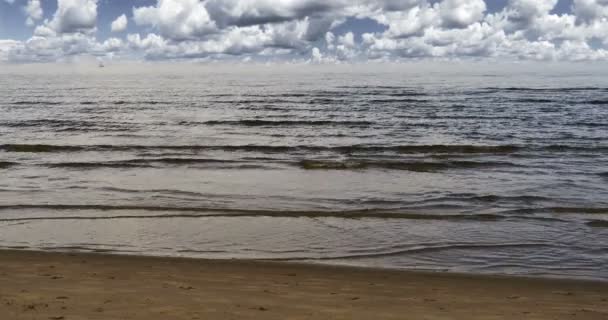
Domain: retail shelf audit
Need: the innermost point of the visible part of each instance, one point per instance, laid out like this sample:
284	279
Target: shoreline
308	264
75	285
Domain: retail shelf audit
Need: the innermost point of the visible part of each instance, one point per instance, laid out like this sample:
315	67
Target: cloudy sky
324	31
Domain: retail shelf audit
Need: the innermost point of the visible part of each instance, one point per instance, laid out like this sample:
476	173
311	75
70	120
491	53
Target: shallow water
471	172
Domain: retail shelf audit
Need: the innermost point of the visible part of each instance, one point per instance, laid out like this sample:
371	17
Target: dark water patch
7	164
496	198
589	124
373	87
179	161
327	101
39	148
568	148
587	210
597	102
405	94
271	107
75	148
603	174
92	129
396	92
598	223
96	165
194	251
276	95
252	101
34	103
463	149
15	247
416	166
293	95
139	102
78	248
332	165
389	101
533	100
459	117
561	210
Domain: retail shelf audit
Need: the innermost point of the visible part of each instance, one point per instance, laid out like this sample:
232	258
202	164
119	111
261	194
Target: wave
255	123
26	102
53	123
421	248
557	89
214	212
142	163
62	125
467	149
420	166
197	212
338	95
347	149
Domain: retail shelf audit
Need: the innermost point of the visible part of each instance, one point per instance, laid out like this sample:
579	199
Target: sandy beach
69	286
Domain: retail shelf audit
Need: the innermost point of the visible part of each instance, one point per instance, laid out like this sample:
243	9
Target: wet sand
62	286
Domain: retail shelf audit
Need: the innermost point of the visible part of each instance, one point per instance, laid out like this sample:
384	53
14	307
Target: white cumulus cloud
34	12
322	30
74	16
176	19
119	24
590	10
461	13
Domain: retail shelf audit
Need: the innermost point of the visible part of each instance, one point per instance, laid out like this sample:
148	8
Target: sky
315	31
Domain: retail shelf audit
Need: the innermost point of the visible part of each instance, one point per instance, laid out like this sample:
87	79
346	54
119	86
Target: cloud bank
319	31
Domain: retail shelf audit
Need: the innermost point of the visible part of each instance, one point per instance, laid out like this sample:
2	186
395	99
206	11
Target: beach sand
36	285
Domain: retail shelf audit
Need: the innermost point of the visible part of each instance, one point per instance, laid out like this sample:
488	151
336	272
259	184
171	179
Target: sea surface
469	170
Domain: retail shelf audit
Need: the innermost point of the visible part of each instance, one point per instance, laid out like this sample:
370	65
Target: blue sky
308	30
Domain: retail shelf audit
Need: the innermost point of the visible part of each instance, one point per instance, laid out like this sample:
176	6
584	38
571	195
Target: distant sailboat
101	65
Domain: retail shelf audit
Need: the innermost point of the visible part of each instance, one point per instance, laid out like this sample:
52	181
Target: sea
459	168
